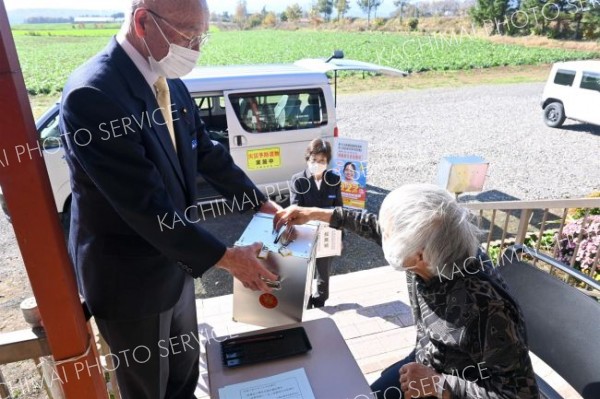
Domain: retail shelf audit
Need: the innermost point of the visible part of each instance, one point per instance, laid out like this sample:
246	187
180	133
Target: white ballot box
294	263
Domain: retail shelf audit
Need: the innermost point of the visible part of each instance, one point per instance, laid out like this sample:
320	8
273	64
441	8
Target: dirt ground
21	378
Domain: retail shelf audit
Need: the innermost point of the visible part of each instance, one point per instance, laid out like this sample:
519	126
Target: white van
572	91
265	115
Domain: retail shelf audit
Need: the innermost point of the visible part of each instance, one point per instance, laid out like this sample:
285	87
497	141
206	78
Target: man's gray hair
135	4
424	217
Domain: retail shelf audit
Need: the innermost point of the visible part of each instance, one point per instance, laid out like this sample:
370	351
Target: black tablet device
267	346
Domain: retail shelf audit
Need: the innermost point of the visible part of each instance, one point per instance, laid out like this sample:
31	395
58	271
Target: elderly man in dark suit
134	145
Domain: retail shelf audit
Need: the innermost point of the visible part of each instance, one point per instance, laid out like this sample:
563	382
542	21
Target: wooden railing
32	344
22	345
515	222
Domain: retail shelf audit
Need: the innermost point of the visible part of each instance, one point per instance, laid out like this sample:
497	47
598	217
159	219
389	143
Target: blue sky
215	5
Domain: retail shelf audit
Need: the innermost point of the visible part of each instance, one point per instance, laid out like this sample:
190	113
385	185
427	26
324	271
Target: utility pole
26	188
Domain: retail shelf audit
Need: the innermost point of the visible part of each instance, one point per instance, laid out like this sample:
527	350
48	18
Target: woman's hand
295	215
419	381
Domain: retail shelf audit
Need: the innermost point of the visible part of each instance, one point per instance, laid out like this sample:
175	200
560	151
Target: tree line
556	19
65	20
337	10
48	20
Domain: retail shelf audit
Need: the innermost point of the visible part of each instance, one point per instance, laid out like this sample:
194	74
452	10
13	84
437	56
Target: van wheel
554	114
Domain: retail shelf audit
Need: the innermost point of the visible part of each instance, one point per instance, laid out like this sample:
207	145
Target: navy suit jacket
131	240
306	193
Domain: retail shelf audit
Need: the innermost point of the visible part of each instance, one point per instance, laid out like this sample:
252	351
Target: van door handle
239	141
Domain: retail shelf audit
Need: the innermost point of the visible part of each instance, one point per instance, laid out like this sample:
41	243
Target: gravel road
409	132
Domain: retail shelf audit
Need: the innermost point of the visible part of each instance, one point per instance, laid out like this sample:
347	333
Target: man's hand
417	381
243	264
270	207
295	215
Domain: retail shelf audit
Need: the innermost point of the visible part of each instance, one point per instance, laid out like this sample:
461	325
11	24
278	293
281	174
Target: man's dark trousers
158	355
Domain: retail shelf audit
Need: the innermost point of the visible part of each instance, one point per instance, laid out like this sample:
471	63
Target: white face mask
177	63
316	168
392	260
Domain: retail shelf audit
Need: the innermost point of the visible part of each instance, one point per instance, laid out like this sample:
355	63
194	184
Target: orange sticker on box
268	301
264	158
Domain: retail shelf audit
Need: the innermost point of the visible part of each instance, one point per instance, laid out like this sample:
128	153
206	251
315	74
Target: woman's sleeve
364	224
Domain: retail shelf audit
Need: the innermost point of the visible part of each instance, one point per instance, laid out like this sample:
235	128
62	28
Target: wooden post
4	391
524	219
29	198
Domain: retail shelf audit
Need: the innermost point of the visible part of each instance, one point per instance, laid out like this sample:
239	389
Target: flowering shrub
588	248
578	213
495	250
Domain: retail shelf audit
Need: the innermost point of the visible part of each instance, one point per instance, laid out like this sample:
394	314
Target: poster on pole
350	162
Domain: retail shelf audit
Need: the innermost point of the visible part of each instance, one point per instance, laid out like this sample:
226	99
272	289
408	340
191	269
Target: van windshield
266	112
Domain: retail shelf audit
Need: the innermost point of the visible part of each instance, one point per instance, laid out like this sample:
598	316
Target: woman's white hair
424	217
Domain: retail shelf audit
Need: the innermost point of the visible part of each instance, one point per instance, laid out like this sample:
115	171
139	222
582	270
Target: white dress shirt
140	62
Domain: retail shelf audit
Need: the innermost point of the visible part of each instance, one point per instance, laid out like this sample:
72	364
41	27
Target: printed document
290	385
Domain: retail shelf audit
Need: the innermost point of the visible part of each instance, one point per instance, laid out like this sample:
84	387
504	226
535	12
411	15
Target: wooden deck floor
372	311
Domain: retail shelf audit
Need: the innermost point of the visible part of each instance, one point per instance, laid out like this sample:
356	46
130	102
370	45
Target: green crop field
49	55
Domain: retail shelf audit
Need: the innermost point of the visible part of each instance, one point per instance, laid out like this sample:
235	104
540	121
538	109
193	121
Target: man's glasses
199	40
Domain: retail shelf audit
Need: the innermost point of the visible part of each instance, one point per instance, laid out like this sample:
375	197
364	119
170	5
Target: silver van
265	115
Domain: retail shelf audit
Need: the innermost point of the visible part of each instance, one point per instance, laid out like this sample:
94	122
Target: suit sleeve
218	169
130	182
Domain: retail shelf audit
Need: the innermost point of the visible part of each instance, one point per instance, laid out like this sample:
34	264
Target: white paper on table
329	242
290	385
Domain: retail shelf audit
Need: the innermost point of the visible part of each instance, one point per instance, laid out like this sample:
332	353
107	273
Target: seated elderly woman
471	338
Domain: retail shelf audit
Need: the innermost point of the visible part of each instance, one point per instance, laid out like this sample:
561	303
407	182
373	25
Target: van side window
50	134
280	111
564	77
590	81
212	112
